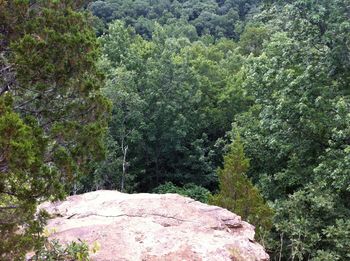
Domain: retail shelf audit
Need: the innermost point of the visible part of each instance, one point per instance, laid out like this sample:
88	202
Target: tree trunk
125	151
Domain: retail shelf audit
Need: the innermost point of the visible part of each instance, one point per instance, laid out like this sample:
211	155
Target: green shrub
54	251
189	190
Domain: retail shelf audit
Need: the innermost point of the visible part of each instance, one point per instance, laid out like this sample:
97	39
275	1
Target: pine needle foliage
52	114
237	192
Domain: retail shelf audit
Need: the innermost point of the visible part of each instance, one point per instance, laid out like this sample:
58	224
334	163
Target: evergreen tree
52	115
238	194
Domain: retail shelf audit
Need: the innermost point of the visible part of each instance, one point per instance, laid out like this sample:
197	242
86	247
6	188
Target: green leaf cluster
54	251
189	190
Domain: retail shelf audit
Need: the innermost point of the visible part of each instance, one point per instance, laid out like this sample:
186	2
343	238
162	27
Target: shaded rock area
153	227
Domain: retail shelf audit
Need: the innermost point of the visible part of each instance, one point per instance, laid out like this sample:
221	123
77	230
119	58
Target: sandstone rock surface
153	227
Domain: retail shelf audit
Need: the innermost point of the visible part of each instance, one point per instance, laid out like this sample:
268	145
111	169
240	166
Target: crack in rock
77	216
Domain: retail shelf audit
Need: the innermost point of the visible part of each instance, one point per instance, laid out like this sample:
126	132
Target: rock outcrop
153	227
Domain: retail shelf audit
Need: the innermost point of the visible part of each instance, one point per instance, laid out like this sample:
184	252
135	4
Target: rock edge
153	227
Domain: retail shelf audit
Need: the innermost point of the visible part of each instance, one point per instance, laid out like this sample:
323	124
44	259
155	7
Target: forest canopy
217	18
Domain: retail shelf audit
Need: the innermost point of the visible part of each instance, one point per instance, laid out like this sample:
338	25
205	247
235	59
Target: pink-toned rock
153	227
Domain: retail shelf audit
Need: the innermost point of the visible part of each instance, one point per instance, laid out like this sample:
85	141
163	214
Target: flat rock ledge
153	227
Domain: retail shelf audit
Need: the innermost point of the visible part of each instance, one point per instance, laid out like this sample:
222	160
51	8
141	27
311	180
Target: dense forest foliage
52	114
186	77
240	103
191	18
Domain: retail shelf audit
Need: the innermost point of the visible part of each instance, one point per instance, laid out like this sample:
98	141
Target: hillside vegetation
240	103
